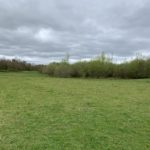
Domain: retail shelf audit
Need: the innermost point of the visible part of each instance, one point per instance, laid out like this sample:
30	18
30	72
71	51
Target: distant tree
66	58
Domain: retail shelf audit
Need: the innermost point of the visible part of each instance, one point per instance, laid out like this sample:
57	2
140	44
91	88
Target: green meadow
42	113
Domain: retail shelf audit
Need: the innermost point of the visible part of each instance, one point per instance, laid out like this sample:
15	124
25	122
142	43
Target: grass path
42	113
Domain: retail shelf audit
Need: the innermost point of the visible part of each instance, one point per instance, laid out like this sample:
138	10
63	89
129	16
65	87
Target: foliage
100	67
16	65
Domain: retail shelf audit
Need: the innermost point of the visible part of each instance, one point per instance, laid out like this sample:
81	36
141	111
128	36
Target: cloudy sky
41	31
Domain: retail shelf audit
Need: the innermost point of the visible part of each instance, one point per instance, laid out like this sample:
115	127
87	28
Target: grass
42	113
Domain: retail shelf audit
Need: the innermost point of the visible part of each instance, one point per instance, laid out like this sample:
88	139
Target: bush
101	67
15	65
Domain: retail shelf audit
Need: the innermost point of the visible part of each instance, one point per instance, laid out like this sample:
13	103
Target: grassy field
42	113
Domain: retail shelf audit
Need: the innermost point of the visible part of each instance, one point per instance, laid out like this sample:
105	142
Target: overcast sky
41	31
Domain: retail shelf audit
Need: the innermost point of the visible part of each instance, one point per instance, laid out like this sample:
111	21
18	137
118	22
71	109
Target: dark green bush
101	67
15	65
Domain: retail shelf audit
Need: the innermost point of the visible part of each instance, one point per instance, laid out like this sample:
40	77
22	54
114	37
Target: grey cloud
44	30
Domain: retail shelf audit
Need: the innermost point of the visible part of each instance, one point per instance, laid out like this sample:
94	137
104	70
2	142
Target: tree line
100	67
15	65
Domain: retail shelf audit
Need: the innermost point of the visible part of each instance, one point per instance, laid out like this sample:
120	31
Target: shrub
103	67
15	65
100	67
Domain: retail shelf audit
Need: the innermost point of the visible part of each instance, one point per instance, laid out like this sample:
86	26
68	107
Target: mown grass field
42	113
